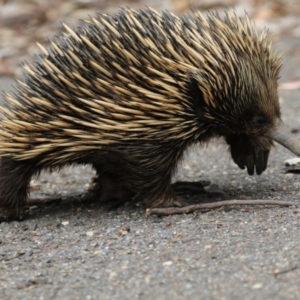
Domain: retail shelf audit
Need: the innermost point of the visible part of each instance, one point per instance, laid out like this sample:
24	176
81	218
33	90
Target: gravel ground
80	250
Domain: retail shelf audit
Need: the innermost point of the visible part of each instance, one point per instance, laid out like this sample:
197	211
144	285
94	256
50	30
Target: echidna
128	93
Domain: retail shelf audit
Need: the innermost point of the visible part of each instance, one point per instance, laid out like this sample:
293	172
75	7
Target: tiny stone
48	260
257	285
29	252
32	226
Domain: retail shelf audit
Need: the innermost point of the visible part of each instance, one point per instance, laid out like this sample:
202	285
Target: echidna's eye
260	121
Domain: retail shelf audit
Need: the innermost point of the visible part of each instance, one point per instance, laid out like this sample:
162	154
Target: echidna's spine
129	93
124	72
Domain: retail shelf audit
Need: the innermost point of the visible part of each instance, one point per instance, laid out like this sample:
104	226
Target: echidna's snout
284	137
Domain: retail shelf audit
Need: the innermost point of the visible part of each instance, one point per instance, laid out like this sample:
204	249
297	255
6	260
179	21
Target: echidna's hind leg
14	187
109	187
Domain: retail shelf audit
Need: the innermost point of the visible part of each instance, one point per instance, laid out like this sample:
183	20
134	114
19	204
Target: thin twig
279	272
191	208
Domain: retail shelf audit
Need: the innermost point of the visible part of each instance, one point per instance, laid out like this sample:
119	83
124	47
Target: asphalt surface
80	250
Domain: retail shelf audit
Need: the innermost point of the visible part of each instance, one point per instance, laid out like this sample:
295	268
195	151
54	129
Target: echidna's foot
11	214
188	190
167	200
192	188
252	153
184	193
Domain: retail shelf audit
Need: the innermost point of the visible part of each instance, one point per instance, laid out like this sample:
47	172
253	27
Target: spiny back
126	77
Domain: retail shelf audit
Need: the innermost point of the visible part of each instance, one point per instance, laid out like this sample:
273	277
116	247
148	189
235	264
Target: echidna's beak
284	137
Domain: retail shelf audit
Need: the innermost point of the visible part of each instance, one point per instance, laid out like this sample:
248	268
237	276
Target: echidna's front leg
154	184
166	198
161	193
250	152
149	170
14	187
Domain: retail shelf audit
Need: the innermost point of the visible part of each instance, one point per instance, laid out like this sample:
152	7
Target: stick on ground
191	208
